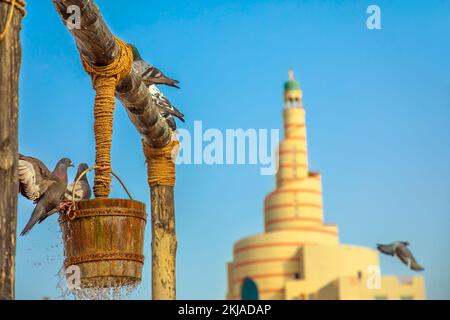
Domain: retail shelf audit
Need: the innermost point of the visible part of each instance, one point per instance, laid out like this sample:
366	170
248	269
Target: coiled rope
104	81
19	5
161	163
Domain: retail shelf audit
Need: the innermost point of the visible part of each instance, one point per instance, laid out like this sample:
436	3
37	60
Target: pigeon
45	188
400	250
83	189
167	110
150	74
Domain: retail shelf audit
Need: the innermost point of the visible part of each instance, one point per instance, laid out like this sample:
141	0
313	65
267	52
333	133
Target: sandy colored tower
299	255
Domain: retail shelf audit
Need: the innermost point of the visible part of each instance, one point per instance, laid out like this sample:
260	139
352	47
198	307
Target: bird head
136	54
81	168
405	243
61	168
65	162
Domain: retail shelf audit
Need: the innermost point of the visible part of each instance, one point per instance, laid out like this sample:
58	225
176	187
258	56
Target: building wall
270	259
329	262
398	288
350	288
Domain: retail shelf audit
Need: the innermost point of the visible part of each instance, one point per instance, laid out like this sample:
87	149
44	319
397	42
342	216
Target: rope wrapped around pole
104	81
161	163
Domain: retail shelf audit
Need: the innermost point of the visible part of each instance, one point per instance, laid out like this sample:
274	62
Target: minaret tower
293	215
297	201
298	256
293	155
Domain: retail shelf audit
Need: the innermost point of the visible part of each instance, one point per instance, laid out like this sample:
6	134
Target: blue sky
378	117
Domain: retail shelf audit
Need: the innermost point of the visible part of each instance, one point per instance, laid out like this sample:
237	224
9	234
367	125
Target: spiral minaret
299	256
296	202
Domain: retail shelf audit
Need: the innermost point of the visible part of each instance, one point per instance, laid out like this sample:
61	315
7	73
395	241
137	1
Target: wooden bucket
105	239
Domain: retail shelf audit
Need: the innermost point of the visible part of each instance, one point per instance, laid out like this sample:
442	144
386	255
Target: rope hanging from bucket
161	163
19	5
104	81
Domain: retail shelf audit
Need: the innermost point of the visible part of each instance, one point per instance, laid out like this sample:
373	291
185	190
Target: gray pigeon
150	74
167	110
400	250
83	189
45	188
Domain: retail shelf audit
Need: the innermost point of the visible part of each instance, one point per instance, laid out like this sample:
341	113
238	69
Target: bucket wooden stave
105	239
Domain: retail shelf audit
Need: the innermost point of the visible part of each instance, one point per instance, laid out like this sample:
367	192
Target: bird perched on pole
82	189
46	188
167	110
400	250
150	74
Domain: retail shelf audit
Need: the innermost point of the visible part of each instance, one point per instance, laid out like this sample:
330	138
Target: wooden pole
10	57
97	44
164	243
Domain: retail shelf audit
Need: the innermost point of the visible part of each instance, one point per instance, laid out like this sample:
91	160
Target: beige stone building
299	255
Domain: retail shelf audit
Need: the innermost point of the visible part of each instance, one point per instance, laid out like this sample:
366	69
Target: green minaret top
291	84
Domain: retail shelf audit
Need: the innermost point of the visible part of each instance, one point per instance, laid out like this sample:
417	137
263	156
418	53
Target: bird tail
45	216
416	267
35	216
178	114
173	85
169	82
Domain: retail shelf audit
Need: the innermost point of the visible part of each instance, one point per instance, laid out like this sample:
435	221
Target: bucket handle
71	213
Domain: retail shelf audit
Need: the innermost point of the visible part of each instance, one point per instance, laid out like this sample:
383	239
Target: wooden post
164	243
10	57
97	44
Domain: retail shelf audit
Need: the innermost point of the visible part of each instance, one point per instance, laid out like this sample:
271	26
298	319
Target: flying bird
399	249
46	188
150	74
82	189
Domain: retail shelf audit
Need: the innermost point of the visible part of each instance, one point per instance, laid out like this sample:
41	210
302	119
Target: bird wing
407	258
174	111
82	191
139	66
164	104
34	177
87	192
152	75
386	249
78	192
